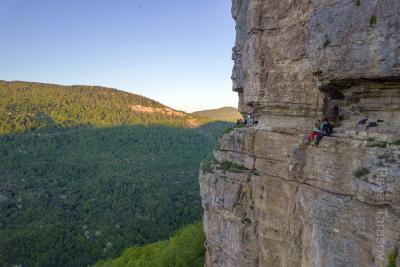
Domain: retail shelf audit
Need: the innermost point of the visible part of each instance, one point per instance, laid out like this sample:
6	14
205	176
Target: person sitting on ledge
326	130
316	130
239	121
249	118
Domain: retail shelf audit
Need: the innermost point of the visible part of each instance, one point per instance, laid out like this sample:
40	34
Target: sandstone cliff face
268	199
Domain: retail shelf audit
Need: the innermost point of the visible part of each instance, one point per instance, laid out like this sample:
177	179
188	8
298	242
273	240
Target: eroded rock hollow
271	200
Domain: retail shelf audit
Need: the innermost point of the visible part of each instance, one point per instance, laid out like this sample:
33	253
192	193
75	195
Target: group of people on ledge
249	120
321	129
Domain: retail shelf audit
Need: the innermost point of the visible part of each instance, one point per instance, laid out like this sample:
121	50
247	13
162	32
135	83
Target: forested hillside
73	193
28	106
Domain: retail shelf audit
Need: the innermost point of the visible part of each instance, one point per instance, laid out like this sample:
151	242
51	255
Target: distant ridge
28	106
223	114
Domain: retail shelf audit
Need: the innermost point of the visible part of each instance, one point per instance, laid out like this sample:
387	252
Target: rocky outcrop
164	110
271	200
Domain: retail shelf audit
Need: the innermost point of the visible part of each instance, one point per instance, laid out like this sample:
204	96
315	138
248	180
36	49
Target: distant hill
28	106
86	172
223	114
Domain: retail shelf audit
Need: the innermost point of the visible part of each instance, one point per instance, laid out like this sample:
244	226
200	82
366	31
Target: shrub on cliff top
372	20
327	42
380	144
392	259
360	172
206	165
229	166
229	130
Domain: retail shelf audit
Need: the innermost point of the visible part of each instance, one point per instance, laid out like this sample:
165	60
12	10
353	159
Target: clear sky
177	52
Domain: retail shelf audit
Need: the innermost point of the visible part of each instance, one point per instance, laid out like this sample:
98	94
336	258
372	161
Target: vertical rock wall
270	200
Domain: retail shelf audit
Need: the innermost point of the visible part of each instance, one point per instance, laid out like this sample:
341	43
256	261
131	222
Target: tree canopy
83	177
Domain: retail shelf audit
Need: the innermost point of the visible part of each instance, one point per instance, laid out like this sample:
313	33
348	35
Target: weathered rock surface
270	200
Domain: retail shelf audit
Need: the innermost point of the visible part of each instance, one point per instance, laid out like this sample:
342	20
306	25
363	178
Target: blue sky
177	52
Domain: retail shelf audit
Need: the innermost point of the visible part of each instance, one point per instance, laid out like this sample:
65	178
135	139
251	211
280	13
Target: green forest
184	249
74	193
